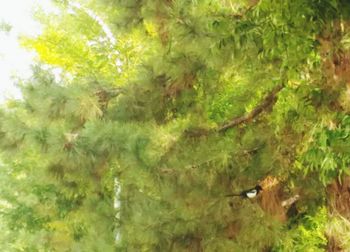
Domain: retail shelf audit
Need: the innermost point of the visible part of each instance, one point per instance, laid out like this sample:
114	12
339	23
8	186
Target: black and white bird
250	194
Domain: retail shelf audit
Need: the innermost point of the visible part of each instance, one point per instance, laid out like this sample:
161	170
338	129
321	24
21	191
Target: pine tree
193	101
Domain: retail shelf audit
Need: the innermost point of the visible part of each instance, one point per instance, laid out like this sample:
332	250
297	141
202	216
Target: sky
14	60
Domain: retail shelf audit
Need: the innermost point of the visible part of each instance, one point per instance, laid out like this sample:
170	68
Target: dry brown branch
267	102
290	201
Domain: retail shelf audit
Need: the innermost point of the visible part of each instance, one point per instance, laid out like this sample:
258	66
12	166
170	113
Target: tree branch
267	102
290	201
252	4
105	95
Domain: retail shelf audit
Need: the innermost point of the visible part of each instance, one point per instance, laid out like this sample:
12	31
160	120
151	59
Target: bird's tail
232	195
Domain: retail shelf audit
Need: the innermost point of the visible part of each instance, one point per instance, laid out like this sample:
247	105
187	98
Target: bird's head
258	188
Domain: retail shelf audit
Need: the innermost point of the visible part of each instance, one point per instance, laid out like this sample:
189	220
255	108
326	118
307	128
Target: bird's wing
252	193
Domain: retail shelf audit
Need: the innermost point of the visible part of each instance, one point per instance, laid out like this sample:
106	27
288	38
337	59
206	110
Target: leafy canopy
143	110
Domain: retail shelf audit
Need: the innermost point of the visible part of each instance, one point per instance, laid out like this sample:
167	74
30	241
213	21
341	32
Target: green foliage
327	151
307	235
142	114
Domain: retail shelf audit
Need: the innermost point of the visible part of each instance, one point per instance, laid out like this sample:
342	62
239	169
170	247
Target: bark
269	100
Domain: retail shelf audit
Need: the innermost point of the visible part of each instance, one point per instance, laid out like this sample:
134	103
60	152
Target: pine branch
105	95
252	5
267	102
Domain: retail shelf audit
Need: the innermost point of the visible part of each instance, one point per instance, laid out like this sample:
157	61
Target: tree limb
105	95
267	102
290	201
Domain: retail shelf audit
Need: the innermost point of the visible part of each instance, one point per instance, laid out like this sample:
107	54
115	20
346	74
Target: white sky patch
105	28
14	60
